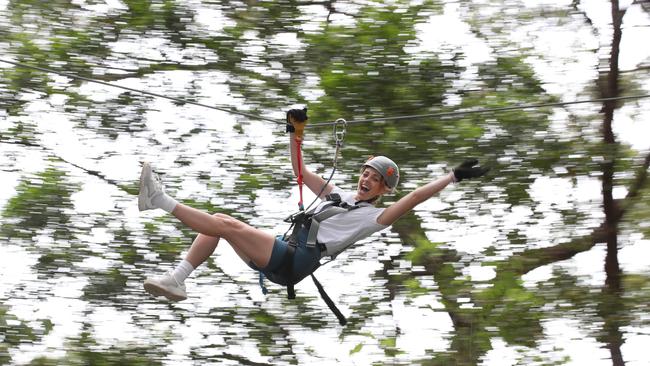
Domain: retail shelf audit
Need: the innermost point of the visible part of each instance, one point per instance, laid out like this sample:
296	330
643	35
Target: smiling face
371	184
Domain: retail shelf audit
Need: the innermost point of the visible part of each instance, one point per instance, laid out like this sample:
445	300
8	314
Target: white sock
164	201
182	271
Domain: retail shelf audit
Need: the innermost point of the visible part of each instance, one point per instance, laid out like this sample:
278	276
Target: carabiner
339	135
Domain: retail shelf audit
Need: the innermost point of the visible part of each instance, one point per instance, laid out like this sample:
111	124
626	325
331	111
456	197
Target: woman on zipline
267	253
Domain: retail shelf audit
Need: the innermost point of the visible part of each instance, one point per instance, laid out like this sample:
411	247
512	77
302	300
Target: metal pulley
340	129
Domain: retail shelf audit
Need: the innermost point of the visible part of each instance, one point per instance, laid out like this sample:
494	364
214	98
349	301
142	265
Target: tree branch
535	258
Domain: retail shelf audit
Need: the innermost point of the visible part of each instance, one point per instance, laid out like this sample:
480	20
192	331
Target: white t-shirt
342	230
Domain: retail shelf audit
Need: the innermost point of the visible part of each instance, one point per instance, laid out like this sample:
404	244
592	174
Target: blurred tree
351	60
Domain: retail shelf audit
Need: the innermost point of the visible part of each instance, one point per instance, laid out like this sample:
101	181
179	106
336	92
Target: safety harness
305	224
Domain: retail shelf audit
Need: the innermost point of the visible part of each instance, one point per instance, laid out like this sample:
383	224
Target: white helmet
387	168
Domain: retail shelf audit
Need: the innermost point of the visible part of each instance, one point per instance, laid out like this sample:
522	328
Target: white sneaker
167	286
150	187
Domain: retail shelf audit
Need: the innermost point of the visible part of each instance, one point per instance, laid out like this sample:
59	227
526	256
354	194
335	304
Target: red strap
299	156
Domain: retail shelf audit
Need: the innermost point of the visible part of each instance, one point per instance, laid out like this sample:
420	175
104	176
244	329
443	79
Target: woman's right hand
296	121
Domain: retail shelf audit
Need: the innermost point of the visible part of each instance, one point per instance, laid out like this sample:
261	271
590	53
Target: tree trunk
611	306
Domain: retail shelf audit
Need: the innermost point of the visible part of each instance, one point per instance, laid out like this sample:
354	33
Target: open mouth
364	189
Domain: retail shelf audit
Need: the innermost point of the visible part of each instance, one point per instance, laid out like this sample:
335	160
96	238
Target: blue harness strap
264	289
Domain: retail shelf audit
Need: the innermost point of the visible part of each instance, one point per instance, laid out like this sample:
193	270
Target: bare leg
247	241
199	221
202	248
252	245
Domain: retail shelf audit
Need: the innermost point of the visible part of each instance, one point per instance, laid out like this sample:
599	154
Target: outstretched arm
464	171
315	183
408	202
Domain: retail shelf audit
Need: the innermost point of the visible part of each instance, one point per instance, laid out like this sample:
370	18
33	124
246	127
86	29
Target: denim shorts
305	261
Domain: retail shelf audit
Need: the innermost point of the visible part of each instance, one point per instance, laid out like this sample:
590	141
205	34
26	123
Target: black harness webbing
288	268
302	225
329	302
291	292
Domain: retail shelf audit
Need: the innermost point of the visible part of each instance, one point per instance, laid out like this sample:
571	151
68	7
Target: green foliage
22	133
512	74
14	331
423	252
105	285
21	79
124	243
30	12
522	305
637	297
365	70
389	345
85	351
140	14
415	288
264	318
356	348
42	202
638	218
166	246
268	333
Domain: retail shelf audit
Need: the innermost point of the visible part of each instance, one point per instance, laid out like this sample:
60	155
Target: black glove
298	115
468	170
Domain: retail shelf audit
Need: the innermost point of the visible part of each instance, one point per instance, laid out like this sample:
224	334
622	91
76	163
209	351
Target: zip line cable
323	124
485	110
